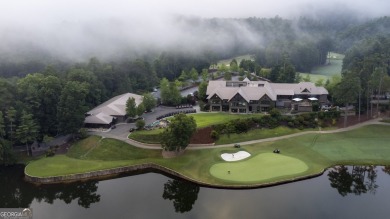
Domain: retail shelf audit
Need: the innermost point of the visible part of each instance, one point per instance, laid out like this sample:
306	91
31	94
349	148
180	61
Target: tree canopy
131	107
178	134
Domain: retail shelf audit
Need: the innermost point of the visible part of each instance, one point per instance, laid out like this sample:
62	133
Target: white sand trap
235	156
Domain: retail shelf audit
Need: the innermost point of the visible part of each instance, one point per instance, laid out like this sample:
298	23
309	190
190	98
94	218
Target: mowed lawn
257	134
202	120
326	71
208	119
300	157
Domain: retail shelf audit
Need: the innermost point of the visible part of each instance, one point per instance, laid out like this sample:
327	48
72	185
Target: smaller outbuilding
110	112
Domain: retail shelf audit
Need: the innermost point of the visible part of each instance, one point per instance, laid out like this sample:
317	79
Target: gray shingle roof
254	90
116	106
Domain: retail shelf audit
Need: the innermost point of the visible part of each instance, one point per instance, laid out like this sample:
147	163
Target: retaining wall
116	171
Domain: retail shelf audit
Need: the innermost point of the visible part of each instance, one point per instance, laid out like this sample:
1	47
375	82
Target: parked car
131	129
325	107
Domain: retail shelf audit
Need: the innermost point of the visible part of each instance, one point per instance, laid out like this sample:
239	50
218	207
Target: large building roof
116	106
254	90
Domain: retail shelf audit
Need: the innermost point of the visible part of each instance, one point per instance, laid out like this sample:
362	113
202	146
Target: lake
341	192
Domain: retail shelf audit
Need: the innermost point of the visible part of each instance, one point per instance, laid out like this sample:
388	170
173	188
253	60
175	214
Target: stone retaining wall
116	171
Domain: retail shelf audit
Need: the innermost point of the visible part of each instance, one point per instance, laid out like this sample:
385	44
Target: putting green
259	168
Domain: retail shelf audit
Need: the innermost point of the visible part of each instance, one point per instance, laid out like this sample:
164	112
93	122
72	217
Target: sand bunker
235	156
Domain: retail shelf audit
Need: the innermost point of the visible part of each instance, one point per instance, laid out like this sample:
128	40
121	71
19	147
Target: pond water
341	192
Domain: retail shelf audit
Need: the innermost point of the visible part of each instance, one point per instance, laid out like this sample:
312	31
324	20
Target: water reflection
182	193
175	198
353	179
15	192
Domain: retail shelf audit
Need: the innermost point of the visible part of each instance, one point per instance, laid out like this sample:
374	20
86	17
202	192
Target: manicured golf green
262	167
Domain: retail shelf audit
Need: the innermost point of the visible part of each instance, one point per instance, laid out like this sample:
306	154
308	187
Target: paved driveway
122	129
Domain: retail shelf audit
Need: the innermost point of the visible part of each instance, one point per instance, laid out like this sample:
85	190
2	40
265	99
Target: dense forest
47	96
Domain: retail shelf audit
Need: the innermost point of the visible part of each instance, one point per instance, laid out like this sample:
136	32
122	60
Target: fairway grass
326	71
301	157
238	59
262	167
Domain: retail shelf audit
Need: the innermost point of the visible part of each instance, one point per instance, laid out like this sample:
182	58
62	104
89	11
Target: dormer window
305	91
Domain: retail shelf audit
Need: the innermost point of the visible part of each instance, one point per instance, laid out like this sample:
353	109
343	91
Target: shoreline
114	172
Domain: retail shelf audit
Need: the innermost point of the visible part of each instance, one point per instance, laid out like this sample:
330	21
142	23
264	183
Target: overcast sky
79	27
38	10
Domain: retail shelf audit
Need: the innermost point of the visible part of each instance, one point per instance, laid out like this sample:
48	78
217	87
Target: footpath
124	138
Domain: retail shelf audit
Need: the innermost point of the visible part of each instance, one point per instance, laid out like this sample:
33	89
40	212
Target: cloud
73	29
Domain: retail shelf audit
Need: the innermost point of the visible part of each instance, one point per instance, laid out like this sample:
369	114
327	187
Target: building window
265	102
239	104
215	101
242	111
216	108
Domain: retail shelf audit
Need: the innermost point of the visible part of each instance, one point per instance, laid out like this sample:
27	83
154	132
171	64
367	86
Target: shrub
83	133
241	125
275	113
214	135
218	127
50	152
140	124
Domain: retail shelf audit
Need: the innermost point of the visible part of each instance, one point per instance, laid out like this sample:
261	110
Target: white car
325	107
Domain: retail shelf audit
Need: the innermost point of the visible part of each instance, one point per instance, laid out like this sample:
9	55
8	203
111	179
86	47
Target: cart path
124	138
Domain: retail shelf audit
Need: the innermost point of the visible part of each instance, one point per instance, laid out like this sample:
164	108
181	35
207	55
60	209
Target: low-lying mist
74	31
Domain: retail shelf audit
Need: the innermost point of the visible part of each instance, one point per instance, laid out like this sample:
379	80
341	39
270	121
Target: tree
347	91
94	86
140	124
140	109
178	134
6	94
27	131
164	89
71	107
194	75
149	102
2	126
319	82
10	116
131	107
40	96
222	68
274	74
307	78
227	76
205	74
234	66
202	90
184	75
175	96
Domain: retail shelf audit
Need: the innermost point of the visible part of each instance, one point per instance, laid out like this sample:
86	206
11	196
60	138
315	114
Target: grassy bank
202	120
256	134
366	145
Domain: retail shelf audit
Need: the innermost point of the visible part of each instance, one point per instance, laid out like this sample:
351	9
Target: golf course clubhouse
260	96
